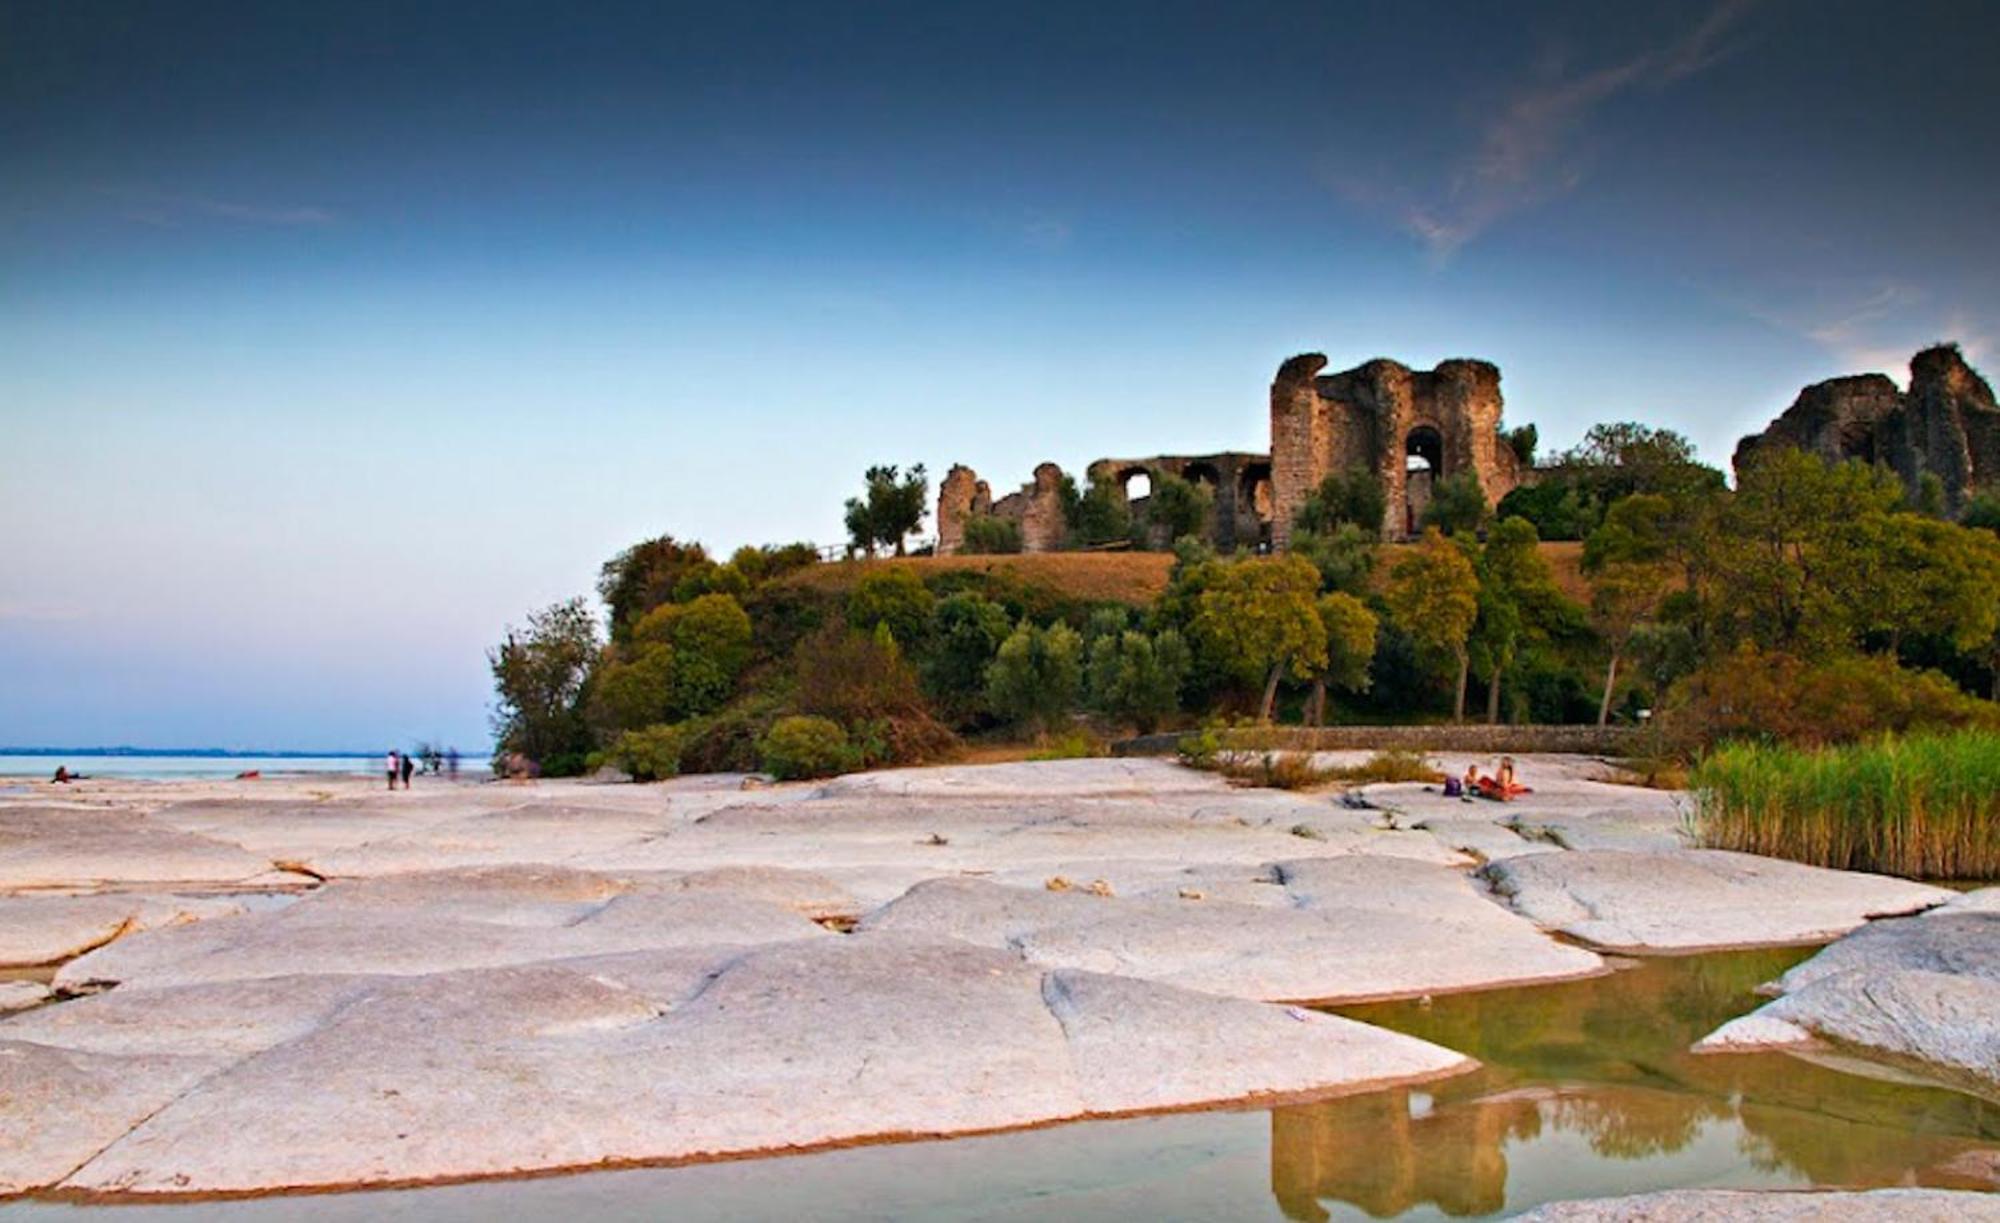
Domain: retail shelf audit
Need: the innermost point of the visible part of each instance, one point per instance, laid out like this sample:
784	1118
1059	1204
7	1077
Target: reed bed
1926	807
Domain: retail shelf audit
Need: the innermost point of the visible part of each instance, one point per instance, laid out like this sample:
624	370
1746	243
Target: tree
1930	578
1518	601
895	597
966	630
1100	516
1036	674
1177	507
1630	569
1350	647
1137	678
1345	555
1433	595
540	677
1457	505
644	576
890	511
1258	619
1522	441
1982	512
1353	496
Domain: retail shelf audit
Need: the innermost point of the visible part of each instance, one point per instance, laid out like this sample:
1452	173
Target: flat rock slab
431	922
75	847
1698	899
20	995
48	929
1717	1205
1918	991
624	1059
1348	929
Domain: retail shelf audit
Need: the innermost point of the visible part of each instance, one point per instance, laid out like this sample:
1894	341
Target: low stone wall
1492	740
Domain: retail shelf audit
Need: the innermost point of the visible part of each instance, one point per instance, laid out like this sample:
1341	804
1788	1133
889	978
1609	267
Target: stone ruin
1945	425
1410	427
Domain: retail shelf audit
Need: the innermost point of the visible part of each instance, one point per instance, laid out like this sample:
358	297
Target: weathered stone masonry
1380	416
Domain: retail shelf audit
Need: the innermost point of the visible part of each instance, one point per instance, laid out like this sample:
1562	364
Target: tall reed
1925	806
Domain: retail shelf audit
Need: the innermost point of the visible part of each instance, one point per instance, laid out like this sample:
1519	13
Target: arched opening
1137	483
1204	474
1423	466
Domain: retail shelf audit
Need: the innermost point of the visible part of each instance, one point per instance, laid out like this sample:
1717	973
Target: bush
1353	498
726	742
799	747
966	630
894	597
990	535
1925	806
855	677
1135	678
1035	676
1779	698
651	754
1076	745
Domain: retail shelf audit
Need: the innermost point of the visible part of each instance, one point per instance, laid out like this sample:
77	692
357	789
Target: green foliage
1136	678
1923	807
1177	507
890	510
1518	603
541	677
800	747
1345	556
644	576
966	631
854	677
1522	441
1457	505
650	754
1628	560
991	535
1076	745
1982	512
1433	595
892	597
685	661
1351	497
1929	498
1569	499
1350	640
762	564
639	692
1561	507
1257	620
1036	675
1841	698
1101	515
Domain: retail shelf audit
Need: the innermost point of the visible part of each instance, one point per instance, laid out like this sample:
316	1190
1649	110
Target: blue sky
332	338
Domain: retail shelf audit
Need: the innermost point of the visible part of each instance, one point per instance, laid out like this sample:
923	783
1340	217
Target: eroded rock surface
1921	991
48	929
1696	899
577	1063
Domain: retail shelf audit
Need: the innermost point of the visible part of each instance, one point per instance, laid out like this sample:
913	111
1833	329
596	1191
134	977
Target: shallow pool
1587	1090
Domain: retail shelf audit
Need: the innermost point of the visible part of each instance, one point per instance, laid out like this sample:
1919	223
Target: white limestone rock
574	1064
1692	900
1354	928
20	995
48	929
60	1107
75	847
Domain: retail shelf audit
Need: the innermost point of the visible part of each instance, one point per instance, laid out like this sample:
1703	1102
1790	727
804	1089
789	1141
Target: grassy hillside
1134	578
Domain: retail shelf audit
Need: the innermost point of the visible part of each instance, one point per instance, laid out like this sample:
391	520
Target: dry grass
1296	770
1134	578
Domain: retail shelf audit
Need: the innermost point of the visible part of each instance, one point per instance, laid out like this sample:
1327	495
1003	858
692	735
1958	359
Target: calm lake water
1588	1090
181	768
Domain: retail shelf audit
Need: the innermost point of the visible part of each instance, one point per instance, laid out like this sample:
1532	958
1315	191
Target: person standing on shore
409	767
392	765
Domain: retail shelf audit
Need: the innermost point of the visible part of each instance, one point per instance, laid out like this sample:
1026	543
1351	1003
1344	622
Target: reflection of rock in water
1370	1151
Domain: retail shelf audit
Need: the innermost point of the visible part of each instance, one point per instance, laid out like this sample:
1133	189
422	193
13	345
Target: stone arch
1135	482
1204	473
1423	467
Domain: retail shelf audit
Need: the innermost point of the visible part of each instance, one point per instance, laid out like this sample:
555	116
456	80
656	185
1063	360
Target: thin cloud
1523	157
1876	329
169	211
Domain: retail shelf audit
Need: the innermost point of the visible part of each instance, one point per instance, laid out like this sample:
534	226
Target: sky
334	338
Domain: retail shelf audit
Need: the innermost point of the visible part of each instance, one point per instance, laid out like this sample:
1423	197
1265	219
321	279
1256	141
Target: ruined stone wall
1239	482
1946	425
1365	417
961	495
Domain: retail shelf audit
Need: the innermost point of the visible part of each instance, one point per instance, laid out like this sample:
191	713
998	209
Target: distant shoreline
205	753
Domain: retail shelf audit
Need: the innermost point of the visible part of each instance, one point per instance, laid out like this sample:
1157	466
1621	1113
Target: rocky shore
304	983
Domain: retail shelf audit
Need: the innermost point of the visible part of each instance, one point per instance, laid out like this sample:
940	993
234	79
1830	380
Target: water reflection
1592	1080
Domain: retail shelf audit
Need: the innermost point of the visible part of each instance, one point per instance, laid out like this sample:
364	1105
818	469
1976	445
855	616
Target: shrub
726	742
799	747
894	597
651	754
1135	678
1076	745
1777	697
1035	676
966	630
991	535
1925	806
1352	497
852	677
